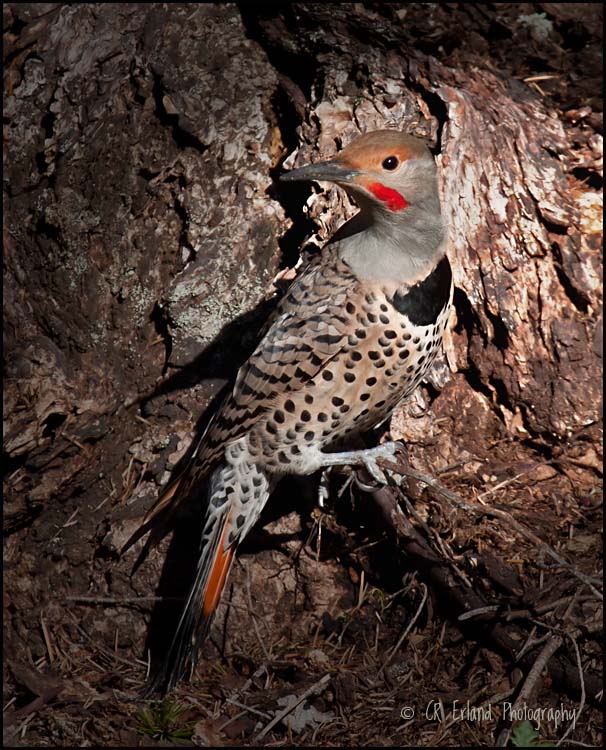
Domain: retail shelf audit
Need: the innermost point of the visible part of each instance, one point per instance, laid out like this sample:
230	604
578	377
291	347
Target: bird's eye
390	163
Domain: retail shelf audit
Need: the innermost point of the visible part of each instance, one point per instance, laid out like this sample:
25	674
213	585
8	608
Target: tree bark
143	229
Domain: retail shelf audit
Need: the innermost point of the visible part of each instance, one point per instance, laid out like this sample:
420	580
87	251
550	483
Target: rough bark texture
143	229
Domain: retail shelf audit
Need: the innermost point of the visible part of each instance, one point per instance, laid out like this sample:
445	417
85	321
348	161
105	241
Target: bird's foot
369	460
365	458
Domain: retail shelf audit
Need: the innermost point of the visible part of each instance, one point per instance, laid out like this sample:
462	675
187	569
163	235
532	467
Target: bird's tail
216	557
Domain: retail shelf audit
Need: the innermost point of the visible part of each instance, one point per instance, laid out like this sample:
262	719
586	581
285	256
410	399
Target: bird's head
387	172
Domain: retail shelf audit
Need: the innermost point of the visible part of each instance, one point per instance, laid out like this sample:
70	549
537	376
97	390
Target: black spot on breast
356	356
283	458
350	307
309	435
349	377
379	363
371	381
423	302
365	397
373	355
279	416
384	319
327	374
360	333
336	401
404	354
271	428
305	415
379	404
372	318
322	416
383	307
240	520
295	450
289	406
309	399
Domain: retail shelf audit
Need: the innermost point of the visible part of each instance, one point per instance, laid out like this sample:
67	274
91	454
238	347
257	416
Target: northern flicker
353	336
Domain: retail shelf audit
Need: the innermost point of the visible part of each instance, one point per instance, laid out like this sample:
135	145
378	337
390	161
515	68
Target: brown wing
307	329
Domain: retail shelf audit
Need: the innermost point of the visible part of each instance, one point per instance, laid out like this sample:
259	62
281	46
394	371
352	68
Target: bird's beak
329	171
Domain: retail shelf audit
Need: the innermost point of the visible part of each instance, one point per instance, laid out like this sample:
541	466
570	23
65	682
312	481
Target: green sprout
525	735
159	721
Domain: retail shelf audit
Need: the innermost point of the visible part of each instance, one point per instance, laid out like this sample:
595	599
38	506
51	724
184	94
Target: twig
456	465
552	645
262	714
582	681
229	721
70	521
409	627
542	77
479	612
100	647
505	637
251	612
312	690
47	640
241	690
511	480
504	515
120	599
524	614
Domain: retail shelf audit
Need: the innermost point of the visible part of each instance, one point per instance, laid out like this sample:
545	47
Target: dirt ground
463	608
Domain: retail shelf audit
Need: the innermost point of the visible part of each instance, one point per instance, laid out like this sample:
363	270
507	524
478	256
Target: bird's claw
371	467
386	451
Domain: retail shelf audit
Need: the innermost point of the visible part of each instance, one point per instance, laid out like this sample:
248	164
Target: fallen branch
459	598
491	512
534	675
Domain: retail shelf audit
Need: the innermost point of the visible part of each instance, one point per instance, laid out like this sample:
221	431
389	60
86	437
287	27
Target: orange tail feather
213	567
218	575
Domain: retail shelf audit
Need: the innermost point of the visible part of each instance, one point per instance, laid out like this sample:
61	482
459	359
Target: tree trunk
143	230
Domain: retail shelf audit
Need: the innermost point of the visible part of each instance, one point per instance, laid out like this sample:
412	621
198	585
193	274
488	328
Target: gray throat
383	246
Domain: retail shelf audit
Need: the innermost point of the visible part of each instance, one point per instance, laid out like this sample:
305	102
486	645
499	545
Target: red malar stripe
391	198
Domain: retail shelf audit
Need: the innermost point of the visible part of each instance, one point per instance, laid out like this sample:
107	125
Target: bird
351	338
